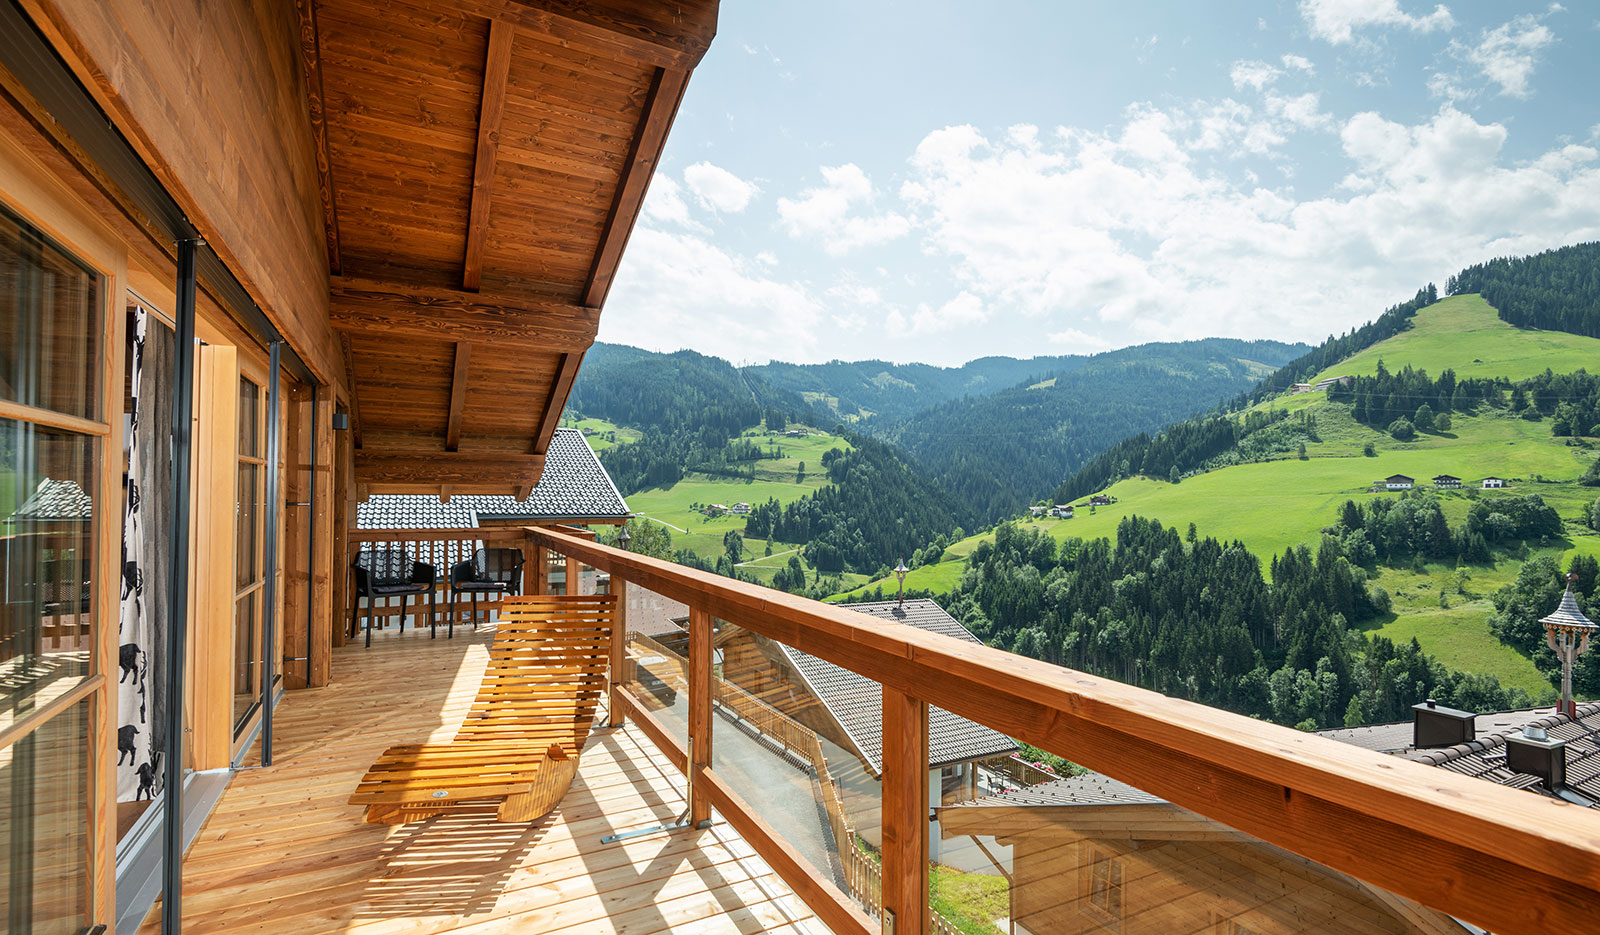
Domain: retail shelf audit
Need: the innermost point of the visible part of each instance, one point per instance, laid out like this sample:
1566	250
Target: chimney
1434	725
1533	752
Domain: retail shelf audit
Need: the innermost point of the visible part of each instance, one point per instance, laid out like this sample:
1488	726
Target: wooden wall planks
233	145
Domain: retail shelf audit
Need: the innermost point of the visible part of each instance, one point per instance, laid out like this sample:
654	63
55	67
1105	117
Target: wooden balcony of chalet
284	852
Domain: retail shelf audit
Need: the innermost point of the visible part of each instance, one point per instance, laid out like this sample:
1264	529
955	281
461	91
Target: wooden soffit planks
548	324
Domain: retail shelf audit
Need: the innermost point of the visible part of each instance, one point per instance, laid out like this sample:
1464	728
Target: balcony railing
1497	857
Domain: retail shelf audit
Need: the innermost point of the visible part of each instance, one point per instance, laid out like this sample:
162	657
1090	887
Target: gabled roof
1485	757
574	486
1086	789
54	501
856	701
1445	477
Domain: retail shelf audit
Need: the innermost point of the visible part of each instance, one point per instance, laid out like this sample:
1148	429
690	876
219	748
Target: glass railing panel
1082	852
787	731
656	672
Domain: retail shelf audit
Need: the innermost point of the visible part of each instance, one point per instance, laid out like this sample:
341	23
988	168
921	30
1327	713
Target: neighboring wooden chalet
1100	499
1562	765
1447	482
845	707
1398	482
1495	483
1091	855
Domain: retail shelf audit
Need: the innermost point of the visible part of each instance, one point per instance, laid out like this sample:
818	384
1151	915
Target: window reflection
46	557
49	324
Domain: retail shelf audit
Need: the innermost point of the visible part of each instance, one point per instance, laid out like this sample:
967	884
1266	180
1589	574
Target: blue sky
931	181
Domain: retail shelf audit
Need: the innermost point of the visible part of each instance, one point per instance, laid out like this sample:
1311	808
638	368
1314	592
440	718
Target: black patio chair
387	573
489	571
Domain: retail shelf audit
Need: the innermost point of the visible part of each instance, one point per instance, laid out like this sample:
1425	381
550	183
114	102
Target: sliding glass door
249	575
52	447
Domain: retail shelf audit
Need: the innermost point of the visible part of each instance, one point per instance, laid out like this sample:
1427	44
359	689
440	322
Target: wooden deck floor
283	853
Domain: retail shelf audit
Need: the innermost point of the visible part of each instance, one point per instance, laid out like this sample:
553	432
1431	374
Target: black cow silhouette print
125	735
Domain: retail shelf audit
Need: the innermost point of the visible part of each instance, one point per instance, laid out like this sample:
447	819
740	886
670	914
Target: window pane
49	324
44	843
249	419
46	562
246	527
246	656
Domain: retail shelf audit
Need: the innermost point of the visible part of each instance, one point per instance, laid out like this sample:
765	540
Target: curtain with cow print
146	551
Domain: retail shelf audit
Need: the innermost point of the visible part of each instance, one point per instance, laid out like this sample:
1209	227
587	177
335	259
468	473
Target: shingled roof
54	501
856	701
574	486
1085	789
1484	757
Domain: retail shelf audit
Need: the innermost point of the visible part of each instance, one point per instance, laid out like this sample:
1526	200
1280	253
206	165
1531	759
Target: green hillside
1277	504
780	479
1464	333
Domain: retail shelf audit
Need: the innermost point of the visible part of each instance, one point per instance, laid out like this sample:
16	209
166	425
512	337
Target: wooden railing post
619	649
905	813
540	569
574	575
699	711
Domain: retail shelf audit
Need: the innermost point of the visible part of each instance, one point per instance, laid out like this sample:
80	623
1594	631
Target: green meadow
1274	505
603	432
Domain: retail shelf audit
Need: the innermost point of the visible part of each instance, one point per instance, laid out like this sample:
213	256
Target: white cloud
856	294
1299	63
1337	20
717	189
828	212
678	290
1303	110
1253	75
962	311
1079	342
665	203
1124	234
1507	54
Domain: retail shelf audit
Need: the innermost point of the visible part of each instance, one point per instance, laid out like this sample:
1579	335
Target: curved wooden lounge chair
521	740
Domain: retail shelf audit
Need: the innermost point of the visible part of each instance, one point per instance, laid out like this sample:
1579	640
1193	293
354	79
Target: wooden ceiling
482	163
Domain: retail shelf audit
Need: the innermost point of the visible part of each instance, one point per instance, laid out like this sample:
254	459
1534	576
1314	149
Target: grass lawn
970	901
776	478
603	432
1463	332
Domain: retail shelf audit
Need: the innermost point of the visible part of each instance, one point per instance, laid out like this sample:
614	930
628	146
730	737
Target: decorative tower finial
900	571
1567	633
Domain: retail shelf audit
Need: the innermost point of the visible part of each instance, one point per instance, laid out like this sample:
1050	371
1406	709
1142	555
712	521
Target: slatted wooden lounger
521	740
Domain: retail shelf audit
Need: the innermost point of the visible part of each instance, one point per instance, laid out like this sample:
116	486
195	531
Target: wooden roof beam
666	35
556	401
311	65
496	67
355	390
399	310
429	470
660	107
458	396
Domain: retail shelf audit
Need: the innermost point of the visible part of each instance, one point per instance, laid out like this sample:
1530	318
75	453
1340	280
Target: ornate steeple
1567	632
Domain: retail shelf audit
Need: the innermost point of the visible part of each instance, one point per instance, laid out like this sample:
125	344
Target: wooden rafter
311	65
355	390
437	468
458	396
496	67
666	35
556	401
398	310
660	107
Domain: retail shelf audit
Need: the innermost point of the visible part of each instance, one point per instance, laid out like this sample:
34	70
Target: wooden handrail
1448	841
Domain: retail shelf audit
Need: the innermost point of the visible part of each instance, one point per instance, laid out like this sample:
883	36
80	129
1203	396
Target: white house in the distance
1493	482
1398	482
741	508
1447	482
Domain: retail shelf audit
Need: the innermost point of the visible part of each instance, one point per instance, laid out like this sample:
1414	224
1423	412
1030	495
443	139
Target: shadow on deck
283	852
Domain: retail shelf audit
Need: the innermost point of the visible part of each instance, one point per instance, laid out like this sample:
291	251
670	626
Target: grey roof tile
1087	789
574	486
857	701
55	501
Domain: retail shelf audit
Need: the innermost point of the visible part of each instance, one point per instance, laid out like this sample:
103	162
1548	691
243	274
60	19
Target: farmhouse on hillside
1493	483
1037	511
1447	482
1324	384
1300	388
1398	482
741	508
1062	511
1100	499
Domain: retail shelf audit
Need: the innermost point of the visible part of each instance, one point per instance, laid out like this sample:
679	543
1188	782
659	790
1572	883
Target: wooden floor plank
285	852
